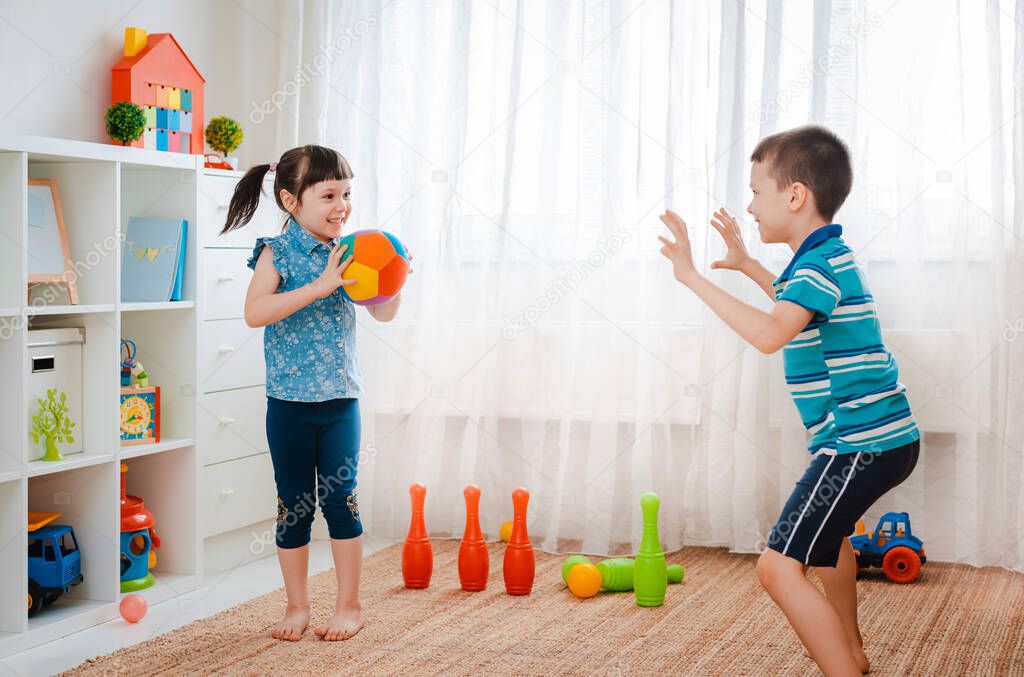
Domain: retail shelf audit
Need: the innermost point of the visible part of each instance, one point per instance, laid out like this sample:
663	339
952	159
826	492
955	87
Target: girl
313	380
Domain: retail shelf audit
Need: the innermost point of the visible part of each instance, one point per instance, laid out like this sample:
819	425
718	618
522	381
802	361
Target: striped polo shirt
843	379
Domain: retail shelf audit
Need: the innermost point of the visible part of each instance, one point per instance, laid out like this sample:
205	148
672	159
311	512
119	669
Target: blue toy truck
54	564
891	546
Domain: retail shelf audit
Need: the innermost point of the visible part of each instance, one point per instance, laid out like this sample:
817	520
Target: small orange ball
584	580
506	532
133	608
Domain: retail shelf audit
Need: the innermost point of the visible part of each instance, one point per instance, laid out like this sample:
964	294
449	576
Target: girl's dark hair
297	170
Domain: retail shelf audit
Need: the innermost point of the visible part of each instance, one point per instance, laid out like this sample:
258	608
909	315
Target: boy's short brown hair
814	156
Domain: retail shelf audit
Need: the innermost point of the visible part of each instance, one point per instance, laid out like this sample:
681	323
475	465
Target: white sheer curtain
523	151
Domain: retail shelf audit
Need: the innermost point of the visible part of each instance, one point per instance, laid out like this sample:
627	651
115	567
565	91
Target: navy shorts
314	447
833	494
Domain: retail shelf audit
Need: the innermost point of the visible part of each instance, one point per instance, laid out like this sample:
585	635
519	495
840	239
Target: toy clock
140	415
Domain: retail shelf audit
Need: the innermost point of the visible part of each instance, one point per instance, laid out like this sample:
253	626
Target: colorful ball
506	532
379	267
584	580
133	608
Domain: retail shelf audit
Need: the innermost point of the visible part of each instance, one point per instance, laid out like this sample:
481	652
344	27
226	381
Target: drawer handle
227	493
226	420
225	277
226	349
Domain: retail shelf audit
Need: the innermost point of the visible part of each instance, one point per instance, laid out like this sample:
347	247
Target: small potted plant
125	122
223	135
52	423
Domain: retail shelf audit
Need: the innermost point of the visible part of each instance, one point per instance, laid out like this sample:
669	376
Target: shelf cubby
158	192
166	482
165	343
87	499
100	377
88	200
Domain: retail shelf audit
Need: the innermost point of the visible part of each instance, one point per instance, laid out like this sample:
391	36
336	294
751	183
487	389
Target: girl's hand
678	252
331	278
736	254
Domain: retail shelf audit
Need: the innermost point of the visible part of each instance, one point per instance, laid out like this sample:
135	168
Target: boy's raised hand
678	251
736	253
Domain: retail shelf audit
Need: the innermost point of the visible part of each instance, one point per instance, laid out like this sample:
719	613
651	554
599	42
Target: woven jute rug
954	620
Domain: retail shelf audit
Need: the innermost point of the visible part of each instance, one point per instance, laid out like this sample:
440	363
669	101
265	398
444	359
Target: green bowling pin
617	574
650	573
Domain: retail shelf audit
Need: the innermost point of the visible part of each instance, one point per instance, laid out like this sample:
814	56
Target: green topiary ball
125	122
223	134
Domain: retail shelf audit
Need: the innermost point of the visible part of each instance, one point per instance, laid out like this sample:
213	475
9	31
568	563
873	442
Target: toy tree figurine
52	423
125	122
224	135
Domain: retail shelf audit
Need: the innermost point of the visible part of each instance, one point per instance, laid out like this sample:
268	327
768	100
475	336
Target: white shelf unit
166	305
100	186
80	309
165	444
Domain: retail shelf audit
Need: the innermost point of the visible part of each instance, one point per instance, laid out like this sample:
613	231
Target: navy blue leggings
314	447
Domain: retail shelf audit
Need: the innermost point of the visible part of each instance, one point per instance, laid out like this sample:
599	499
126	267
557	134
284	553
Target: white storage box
55	361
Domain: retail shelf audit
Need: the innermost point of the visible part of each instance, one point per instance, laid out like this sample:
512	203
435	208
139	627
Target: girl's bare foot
292	625
344	624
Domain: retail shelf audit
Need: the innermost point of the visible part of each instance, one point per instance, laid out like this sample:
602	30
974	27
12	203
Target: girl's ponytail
245	198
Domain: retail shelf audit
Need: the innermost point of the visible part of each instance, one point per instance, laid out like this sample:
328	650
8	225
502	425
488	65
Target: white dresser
237	497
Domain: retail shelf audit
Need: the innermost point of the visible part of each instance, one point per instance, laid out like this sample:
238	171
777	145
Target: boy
863	438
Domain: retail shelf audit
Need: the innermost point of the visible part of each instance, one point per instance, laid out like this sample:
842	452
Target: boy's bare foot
862	659
292	625
345	623
858	655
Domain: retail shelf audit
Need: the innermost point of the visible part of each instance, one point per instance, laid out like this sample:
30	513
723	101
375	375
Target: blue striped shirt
843	379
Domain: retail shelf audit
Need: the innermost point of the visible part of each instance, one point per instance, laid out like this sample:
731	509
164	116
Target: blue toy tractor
54	565
891	546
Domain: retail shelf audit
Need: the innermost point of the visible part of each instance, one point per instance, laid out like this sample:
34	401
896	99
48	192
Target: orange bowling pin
474	562
519	564
417	555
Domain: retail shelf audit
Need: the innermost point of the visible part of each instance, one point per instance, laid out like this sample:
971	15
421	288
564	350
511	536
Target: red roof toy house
156	74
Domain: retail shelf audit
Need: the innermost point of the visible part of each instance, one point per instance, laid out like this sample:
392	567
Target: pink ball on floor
133	608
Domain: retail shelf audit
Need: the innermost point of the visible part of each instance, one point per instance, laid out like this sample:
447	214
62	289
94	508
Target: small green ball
569	563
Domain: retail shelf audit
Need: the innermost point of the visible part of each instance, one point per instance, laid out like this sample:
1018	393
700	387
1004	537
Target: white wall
56	55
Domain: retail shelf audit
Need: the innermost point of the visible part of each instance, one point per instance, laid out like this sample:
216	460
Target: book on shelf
153	260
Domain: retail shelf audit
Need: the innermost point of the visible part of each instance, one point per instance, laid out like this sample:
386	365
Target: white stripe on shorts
807	504
833	507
